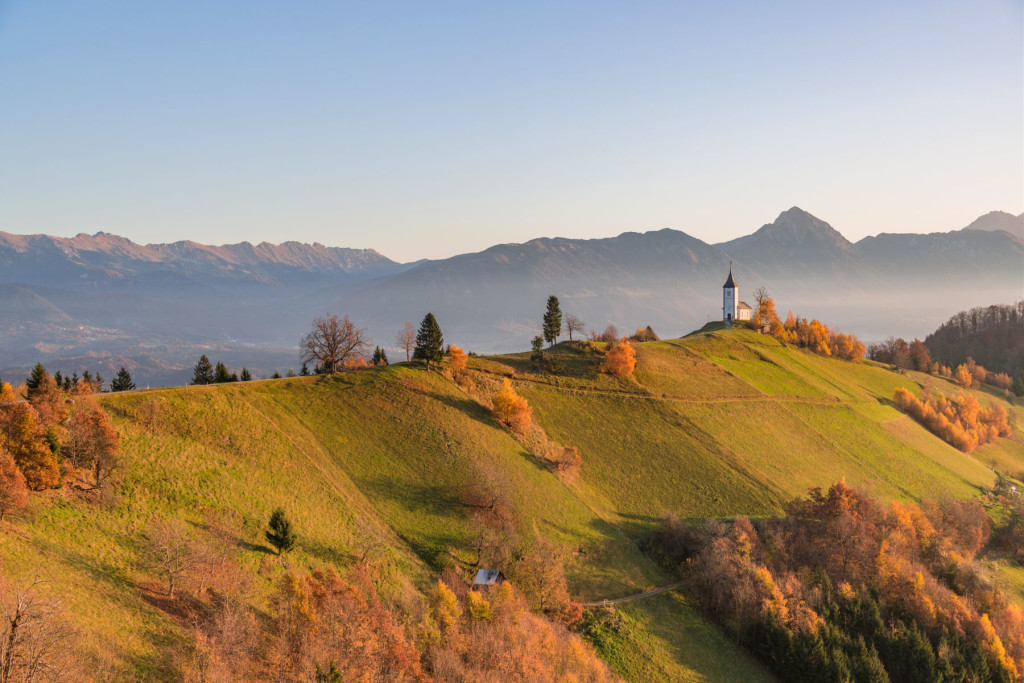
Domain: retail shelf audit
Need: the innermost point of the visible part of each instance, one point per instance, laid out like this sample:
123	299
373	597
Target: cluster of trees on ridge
845	589
45	444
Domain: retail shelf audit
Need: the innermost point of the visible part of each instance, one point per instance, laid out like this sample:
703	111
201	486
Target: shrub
620	360
511	409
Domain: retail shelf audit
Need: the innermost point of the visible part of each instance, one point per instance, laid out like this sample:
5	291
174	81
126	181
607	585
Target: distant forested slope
993	336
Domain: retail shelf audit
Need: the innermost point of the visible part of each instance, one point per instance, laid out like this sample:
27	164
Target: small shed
485	578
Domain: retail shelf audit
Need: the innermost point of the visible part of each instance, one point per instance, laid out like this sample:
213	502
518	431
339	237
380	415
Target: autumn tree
332	342
511	409
13	492
406	339
202	373
573	324
963	376
459	357
552	321
764	307
620	359
169	552
280	533
49	401
33	638
122	381
92	444
541	575
429	341
19	424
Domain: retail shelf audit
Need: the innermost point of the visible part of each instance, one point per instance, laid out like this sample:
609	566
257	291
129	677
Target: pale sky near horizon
429	129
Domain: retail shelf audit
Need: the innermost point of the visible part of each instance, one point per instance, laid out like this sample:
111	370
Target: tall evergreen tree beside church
552	321
429	341
203	372
122	381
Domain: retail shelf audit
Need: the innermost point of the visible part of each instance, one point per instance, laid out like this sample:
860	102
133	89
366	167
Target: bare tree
761	295
169	551
331	342
573	324
406	339
33	639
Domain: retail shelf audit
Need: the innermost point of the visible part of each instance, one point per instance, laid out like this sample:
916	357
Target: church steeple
730	298
730	283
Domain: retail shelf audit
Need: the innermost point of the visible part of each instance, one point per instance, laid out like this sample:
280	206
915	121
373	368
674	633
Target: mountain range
102	301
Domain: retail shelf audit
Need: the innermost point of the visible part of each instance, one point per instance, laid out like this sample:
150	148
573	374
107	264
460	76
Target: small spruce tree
538	352
36	380
552	321
246	375
280	533
379	357
304	371
221	374
203	372
122	381
276	375
429	341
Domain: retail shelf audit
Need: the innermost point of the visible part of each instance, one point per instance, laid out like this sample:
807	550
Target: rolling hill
375	463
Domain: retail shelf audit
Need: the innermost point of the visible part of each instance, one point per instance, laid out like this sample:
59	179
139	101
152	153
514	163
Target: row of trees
205	372
993	335
813	335
959	421
916	355
844	589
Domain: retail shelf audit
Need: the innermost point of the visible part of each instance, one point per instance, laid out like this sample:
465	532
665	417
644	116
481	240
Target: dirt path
631	598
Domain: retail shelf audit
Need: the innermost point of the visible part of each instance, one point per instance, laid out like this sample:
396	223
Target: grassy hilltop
375	463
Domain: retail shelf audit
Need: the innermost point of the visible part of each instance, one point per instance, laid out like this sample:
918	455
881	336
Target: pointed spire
730	283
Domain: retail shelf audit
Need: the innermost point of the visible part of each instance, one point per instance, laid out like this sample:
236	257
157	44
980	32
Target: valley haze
102	301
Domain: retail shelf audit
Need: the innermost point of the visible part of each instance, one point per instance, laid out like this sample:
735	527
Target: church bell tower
730	297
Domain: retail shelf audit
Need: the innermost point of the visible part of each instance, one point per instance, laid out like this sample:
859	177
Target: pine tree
246	375
552	321
304	371
537	344
221	374
122	381
203	372
276	375
379	357
429	341
280	533
35	380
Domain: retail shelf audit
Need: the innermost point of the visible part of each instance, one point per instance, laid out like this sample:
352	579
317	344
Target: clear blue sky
425	129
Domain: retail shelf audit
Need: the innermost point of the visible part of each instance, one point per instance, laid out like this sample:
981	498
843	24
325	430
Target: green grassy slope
375	462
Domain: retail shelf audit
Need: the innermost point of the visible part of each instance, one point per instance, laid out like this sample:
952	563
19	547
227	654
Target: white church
732	307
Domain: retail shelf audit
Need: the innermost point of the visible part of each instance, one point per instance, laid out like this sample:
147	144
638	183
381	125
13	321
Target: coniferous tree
221	374
429	341
379	357
246	375
537	344
280	533
203	372
552	320
304	371
122	381
35	380
276	375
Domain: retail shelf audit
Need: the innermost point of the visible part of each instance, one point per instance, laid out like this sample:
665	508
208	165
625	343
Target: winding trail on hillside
638	596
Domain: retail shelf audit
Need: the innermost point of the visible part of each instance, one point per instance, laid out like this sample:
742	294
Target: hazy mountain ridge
109	296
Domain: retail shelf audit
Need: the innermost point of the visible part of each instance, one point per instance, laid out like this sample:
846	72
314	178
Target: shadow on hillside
254	547
637	528
326	553
414	497
468	406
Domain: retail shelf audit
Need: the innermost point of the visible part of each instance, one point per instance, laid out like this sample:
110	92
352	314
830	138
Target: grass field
719	424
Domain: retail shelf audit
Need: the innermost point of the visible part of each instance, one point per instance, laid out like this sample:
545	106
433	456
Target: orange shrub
620	360
511	409
458	357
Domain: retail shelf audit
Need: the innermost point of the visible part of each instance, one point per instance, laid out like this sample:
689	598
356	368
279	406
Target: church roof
743	304
729	284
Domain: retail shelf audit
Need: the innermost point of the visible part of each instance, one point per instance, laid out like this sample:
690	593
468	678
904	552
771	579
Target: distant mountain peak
795	226
999	220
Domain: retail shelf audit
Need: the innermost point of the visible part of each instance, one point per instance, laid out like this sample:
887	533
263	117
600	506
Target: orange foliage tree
959	421
511	409
458	357
13	492
20	428
620	359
